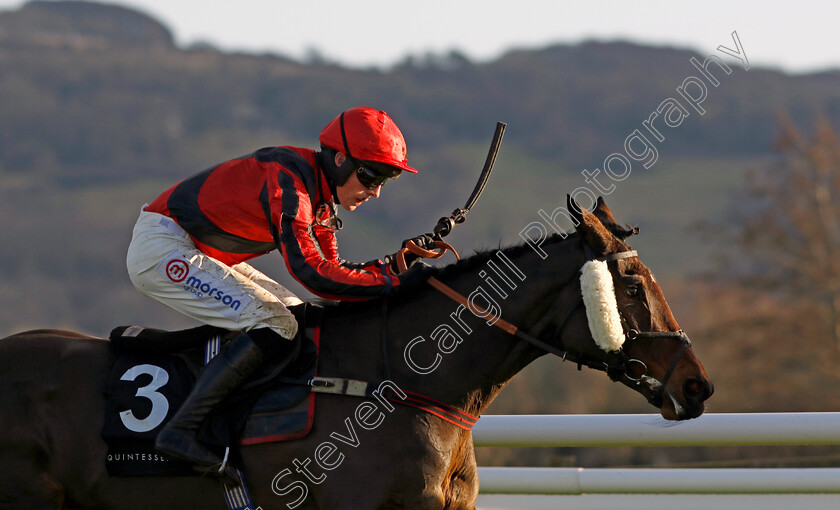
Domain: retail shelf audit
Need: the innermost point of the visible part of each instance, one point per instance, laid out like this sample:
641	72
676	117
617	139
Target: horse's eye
632	290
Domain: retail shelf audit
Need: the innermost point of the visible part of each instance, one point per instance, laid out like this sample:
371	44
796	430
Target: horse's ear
576	211
603	212
605	215
589	226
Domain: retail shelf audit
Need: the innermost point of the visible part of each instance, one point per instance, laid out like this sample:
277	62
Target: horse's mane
479	258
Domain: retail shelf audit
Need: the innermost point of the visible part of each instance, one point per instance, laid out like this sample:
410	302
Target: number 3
160	406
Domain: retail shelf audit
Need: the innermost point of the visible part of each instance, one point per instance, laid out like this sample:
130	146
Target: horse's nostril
698	389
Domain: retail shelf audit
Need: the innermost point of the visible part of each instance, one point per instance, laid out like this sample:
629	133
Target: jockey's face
353	193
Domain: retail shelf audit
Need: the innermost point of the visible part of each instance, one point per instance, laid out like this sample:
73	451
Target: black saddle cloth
155	371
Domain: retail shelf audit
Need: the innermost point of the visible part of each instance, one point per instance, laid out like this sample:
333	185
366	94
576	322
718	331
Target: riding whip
445	225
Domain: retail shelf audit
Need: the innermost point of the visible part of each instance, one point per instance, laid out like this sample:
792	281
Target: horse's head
635	335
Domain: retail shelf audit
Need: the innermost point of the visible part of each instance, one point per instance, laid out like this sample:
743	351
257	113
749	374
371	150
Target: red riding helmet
367	134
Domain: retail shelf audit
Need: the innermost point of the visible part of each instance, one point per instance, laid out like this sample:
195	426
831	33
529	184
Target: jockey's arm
311	256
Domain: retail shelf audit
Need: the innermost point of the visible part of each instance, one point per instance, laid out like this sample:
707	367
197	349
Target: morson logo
211	287
194	284
177	270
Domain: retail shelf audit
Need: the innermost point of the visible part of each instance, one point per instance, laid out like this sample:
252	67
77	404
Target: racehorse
366	454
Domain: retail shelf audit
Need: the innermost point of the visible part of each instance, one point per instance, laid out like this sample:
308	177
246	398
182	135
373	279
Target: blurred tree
791	221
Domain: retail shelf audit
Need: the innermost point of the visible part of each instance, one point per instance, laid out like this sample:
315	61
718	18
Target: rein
618	368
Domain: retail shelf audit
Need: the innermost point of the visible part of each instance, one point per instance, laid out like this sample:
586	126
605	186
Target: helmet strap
336	175
344	136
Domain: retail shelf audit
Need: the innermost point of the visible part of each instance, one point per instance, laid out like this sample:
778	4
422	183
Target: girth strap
443	411
339	386
355	388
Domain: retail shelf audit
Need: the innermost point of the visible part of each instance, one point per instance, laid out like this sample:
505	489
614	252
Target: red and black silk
251	205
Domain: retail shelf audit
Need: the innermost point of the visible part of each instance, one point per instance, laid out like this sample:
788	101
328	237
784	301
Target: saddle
155	370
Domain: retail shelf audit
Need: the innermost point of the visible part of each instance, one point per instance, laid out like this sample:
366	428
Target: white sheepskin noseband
596	285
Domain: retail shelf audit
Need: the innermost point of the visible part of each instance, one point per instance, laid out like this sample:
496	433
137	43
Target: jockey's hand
425	241
391	261
414	276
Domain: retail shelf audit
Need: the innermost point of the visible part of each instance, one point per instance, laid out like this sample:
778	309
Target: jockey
191	245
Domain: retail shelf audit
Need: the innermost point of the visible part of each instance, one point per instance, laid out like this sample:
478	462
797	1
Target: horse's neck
492	355
442	350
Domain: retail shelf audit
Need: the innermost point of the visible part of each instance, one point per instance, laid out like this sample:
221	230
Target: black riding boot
220	377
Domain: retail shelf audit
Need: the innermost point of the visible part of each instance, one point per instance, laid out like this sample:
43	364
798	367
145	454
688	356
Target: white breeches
164	264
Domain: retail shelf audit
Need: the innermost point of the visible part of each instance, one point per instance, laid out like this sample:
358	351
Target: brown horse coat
361	454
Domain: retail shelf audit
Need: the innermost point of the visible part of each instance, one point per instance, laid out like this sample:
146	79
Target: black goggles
370	178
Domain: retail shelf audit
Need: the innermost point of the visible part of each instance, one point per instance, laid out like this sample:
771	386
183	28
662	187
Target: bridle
620	370
618	366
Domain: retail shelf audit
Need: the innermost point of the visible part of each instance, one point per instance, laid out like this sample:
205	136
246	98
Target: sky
792	36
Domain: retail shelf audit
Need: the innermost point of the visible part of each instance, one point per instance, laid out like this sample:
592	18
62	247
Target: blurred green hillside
100	111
